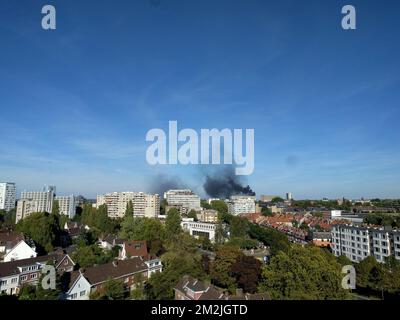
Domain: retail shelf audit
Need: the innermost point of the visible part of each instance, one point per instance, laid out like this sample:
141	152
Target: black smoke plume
225	183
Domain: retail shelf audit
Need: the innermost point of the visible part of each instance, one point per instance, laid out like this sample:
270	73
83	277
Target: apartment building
25	207
358	242
242	205
144	205
67	205
208	215
7	195
184	199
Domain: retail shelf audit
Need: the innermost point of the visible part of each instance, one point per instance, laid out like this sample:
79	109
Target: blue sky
76	103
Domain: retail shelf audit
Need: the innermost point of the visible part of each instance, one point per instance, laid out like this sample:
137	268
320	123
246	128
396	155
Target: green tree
173	224
220	206
112	290
265	211
55	209
43	228
239	227
221	234
192	214
226	256
303	273
277	200
204	204
129	208
139	228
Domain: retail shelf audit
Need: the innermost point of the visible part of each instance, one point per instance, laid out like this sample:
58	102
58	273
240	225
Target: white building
44	198
144	205
185	199
21	251
67	205
25	207
358	242
199	229
241	205
289	196
7	195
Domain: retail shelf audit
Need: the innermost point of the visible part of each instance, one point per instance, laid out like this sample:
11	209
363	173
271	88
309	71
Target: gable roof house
189	288
84	282
16	273
8	240
20	251
133	248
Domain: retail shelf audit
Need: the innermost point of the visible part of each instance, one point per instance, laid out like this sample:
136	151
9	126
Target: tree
220	234
86	256
344	261
55	209
225	257
239	227
204	204
41	227
172	224
220	206
112	290
265	211
277	200
7	218
247	272
138	228
138	292
277	241
192	214
129	208
303	273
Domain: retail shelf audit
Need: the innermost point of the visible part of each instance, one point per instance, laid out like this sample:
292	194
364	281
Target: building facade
185	199
242	205
144	205
7	195
67	205
199	229
359	242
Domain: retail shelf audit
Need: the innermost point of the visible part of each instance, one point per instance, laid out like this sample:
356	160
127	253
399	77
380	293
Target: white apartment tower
35	201
241	204
67	205
186	199
357	243
7	196
144	205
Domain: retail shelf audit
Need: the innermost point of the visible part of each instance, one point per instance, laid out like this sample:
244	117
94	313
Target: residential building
85	282
35	201
208	215
241	205
289	196
25	207
267	198
359	242
7	195
189	288
199	229
20	251
144	205
8	240
67	205
16	273
185	199
133	248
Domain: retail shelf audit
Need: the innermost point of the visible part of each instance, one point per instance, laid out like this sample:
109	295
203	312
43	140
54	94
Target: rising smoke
225	183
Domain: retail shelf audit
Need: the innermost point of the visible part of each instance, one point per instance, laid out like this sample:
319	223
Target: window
14	280
33	275
74	296
23	278
82	293
3	282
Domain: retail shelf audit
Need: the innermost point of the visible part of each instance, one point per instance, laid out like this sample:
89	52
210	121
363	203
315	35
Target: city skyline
77	101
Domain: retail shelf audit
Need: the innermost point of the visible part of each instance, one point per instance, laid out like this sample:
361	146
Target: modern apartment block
185	199
144	205
242	204
359	242
7	195
35	201
67	205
